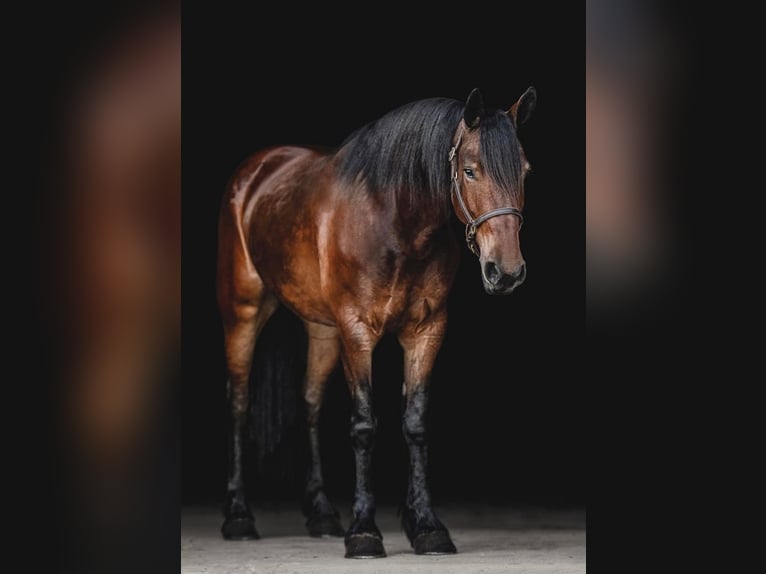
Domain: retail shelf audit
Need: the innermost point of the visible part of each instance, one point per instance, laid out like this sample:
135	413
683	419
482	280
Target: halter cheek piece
472	224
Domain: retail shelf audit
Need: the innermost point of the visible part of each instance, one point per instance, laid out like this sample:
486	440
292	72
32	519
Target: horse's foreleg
363	539
323	356
242	324
421	345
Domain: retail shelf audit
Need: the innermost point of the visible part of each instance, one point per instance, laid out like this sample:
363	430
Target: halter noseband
472	224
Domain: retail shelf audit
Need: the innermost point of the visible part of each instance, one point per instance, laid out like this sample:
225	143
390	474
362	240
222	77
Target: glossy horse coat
357	243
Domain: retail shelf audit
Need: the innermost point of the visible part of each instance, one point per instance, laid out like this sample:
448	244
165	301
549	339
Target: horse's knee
414	429
363	423
363	432
414	420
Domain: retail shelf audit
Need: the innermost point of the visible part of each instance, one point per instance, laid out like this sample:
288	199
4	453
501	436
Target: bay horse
357	243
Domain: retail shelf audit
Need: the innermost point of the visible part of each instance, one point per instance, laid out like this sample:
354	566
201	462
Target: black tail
276	404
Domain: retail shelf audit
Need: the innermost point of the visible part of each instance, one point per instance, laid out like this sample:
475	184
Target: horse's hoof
324	526
364	546
241	528
433	543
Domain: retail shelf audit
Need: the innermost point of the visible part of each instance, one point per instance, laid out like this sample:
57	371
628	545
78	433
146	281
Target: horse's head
488	170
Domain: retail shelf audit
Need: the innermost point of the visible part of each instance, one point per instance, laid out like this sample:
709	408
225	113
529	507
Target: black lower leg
239	523
363	539
322	518
424	530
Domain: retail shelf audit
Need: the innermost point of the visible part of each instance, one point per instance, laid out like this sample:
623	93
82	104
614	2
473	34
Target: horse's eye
469	173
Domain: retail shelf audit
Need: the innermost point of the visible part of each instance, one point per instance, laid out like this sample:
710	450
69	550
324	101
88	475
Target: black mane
404	153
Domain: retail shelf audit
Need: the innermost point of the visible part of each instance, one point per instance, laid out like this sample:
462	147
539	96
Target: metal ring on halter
470	239
471	223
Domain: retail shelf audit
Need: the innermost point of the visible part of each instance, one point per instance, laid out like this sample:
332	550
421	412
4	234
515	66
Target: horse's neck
423	230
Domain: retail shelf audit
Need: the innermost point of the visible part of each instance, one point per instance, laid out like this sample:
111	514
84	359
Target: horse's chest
391	302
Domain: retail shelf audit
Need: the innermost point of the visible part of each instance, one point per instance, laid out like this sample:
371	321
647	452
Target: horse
358	243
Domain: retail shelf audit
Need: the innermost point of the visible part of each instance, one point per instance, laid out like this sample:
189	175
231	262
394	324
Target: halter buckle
470	239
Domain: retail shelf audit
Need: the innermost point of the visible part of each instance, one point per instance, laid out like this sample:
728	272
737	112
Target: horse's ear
522	109
474	108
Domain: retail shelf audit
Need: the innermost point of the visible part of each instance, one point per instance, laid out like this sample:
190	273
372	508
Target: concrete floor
488	540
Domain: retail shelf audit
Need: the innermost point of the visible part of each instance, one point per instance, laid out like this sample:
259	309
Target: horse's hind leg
323	356
243	321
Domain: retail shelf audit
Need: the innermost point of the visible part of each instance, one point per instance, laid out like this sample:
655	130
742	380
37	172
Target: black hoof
239	529
436	542
364	546
324	526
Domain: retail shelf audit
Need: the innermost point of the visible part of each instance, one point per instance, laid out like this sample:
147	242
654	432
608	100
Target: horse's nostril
492	273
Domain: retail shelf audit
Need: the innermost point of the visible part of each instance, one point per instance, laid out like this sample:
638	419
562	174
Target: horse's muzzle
497	282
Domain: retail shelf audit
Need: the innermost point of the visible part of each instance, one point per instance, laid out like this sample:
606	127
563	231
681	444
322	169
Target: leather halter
472	224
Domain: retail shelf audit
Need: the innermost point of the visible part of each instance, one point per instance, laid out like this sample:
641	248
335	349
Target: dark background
507	416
